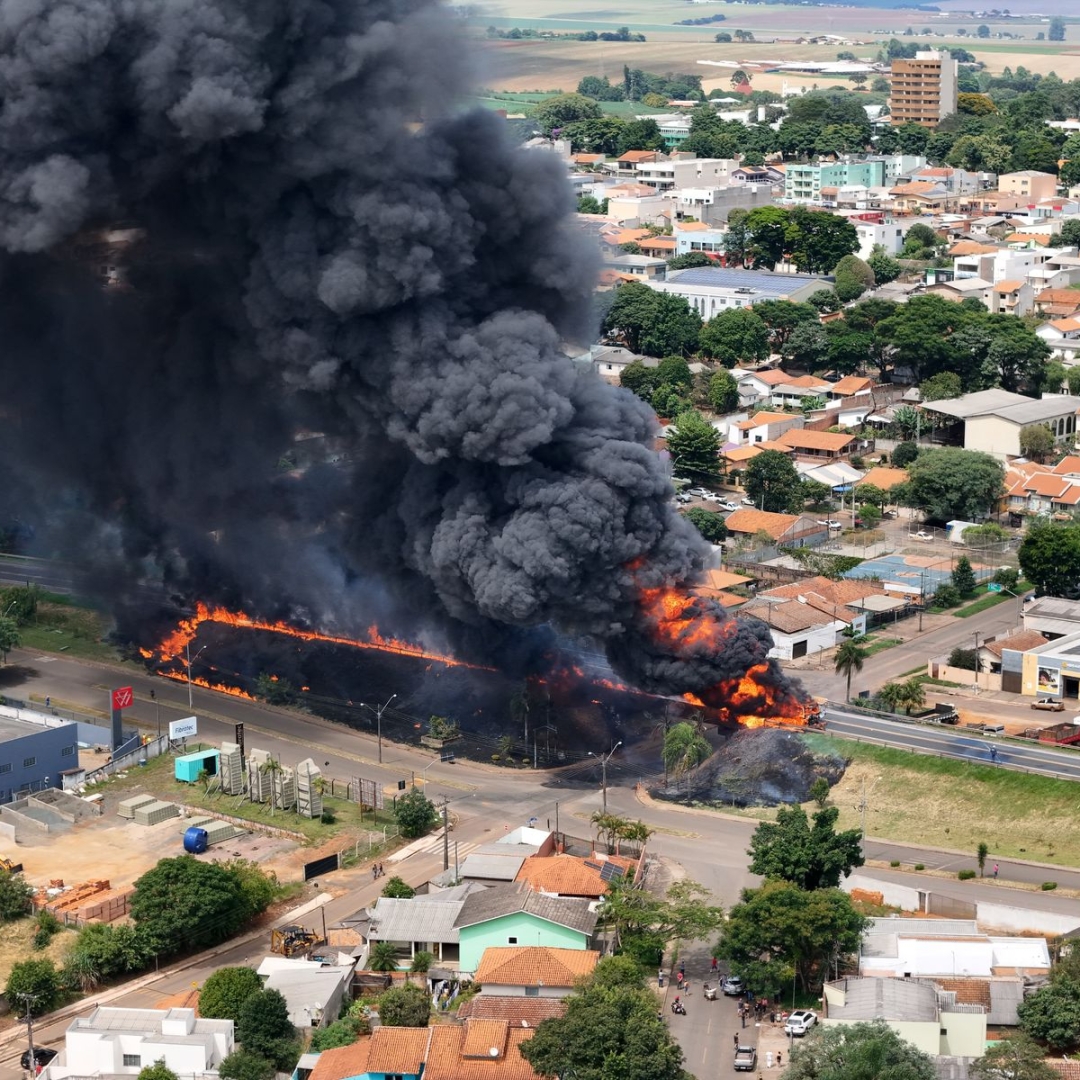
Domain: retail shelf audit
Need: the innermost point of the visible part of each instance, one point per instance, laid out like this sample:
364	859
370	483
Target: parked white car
728	505
800	1022
747	501
831	523
699	492
923	535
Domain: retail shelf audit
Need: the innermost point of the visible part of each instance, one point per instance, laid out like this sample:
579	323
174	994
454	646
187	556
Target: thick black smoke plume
304	232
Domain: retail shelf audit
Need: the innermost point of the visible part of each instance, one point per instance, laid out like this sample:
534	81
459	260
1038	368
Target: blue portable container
196	840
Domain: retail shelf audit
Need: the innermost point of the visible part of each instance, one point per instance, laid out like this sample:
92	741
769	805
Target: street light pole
187	647
378	710
30	1000
604	759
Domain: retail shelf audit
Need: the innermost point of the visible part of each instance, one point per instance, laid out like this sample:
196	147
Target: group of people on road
376	871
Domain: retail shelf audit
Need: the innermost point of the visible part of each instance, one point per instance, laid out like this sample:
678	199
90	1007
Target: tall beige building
923	89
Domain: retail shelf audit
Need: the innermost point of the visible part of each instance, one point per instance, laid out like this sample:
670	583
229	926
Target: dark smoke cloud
329	244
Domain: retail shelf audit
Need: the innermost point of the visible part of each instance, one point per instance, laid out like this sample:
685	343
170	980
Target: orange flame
683	625
175	644
221	688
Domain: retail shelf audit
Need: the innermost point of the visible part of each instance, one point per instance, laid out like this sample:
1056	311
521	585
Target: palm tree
914	695
892	695
685	748
849	660
383	957
422	961
608	825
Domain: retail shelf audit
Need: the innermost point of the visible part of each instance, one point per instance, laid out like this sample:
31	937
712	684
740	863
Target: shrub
405	1006
895	862
343	1032
15	896
47	926
244	1065
399	889
33	982
328	817
966	875
919	866
1048	886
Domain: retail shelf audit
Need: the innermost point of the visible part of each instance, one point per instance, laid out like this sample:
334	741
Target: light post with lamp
604	759
190	661
378	710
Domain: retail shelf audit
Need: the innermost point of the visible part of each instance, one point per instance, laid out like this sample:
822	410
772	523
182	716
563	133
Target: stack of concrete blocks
309	801
128	807
284	788
260	784
216	830
153	813
231	771
107	907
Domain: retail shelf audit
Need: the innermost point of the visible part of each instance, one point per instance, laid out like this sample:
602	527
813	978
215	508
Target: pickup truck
745	1059
1049	704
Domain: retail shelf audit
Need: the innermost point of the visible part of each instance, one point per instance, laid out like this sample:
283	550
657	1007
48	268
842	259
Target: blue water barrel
195	841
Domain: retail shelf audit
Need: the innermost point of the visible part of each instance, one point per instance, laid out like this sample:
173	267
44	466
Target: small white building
121	1042
313	990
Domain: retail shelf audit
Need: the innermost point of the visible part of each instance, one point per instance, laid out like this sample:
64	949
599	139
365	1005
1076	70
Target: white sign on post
183	729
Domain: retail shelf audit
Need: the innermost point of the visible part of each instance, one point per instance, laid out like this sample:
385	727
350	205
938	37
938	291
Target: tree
946	384
711	525
422	961
858	78
1015	1058
225	991
651	322
1036	441
963	577
33	984
819	792
606	1031
15	894
950	483
739	78
415	814
684	913
818	241
870	516
9	637
891	695
183	903
853	278
1070	230
904	454
601	136
1050	558
767	227
779	931
723	37
617	971
883	267
103	951
1057	29
848	349
689	261
782	318
263	1027
825	300
913	695
811	857
383	956
1052	1014
684	748
723	392
863	1051
641	134
981	853
919	239
982	31
736	334
158	1071
398	889
555	113
674	371
694	443
343	1032
772	481
405	1006
848	661
245	1065
807	347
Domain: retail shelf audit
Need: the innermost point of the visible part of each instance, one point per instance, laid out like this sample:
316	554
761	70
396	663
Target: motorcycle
678	1007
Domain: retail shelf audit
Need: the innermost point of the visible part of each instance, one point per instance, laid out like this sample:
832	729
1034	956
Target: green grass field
68	627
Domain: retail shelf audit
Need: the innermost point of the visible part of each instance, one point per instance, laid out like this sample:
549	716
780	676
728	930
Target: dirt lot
113	848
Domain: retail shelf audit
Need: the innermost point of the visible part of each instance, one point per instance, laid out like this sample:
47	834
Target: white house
121	1042
1063	337
803	625
712	290
761	427
889	234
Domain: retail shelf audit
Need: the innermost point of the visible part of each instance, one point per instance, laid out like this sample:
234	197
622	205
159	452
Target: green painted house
516	915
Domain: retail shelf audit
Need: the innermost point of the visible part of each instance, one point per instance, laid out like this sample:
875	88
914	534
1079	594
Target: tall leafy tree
779	931
863	1051
810	856
950	483
684	748
1018	1057
225	991
264	1028
1052	1014
709	524
652	322
562	109
807	347
415	814
405	1006
782	317
767	226
1050	558
853	278
735	335
772	481
694	443
963	576
818	241
723	392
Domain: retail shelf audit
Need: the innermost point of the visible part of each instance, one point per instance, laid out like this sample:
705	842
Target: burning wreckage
317	237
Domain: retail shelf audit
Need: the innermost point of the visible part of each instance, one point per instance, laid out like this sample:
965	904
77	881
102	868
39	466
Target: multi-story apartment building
923	89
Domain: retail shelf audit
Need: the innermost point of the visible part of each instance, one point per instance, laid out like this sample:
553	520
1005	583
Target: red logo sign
123	698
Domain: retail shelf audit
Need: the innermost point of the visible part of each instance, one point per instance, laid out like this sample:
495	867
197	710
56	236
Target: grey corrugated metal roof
885	999
1031	412
503	900
979	403
394	919
492	867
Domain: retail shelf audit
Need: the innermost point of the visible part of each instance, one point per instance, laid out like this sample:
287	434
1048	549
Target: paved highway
956	743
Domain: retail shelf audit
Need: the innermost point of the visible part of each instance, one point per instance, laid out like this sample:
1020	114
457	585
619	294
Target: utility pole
445	833
187	648
378	710
604	759
30	1000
